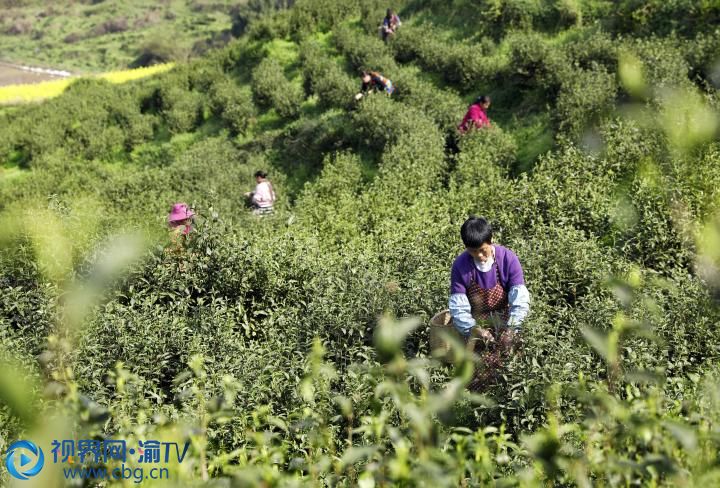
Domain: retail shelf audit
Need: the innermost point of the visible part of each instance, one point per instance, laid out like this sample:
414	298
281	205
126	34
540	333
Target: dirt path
13	74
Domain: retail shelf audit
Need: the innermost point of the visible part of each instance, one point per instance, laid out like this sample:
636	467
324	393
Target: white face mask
486	266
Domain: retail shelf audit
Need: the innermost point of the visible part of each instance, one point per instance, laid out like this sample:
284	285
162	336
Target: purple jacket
463	271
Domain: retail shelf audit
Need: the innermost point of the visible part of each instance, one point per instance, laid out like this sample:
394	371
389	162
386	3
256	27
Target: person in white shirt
263	198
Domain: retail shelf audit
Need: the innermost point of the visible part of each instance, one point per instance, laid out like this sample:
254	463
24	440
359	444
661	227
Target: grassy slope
526	118
43	31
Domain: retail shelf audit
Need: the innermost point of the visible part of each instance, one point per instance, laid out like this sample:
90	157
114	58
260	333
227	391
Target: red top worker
476	115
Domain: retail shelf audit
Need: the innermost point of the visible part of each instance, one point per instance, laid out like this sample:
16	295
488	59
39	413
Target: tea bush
465	63
517	13
27	307
272	89
663	18
443	106
664	65
233	104
269	343
94	119
589	47
495	18
247	14
320	15
702	57
332	196
183	110
482	153
277	26
363	52
324	78
304	144
534	63
584	97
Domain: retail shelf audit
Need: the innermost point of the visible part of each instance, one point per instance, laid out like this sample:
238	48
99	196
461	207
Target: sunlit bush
272	89
325	78
268	343
233	104
585	96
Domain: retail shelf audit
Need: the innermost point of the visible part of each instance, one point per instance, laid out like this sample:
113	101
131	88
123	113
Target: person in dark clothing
390	24
374	81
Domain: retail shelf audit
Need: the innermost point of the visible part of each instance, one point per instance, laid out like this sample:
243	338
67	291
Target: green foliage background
92	36
260	343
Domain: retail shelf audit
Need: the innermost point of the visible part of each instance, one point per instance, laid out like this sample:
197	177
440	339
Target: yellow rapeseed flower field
14	94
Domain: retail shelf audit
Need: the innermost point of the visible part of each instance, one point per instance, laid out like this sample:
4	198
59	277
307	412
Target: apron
490	307
489	304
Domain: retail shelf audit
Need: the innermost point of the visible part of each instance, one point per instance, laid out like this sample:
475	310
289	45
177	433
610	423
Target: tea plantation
292	349
96	35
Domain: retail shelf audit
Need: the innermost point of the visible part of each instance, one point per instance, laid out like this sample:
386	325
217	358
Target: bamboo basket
441	327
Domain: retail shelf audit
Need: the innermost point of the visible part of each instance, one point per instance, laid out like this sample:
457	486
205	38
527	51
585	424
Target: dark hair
364	73
483	99
261	174
475	232
389	13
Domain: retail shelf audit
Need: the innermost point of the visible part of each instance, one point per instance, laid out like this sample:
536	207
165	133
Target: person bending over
476	115
374	81
488	297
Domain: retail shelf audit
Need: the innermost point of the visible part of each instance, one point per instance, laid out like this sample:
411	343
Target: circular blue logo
24	459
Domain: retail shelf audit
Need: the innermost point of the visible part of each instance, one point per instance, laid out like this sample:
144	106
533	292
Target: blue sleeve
519	301
459	306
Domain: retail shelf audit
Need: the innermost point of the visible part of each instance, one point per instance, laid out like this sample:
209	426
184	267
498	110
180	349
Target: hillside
84	36
292	349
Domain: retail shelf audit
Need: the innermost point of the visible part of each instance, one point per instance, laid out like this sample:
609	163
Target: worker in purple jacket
488	296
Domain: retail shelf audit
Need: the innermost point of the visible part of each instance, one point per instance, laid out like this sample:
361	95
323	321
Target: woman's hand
508	339
486	335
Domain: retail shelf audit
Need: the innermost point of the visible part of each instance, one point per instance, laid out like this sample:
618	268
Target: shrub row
325	78
585	96
463	63
309	16
272	89
97	120
233	104
93	118
362	51
443	106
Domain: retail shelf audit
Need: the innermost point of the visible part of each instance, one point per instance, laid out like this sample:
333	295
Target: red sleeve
476	115
463	124
484	121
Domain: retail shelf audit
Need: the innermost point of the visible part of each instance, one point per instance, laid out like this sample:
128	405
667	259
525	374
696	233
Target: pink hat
180	211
